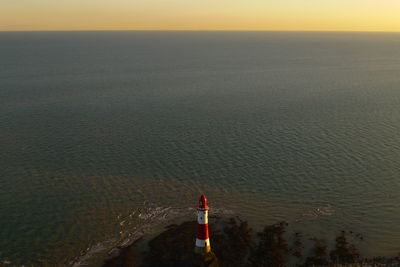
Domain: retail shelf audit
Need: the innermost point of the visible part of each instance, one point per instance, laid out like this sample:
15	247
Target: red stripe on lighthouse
202	231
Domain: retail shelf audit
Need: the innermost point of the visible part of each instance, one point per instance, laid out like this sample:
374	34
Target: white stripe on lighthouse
202	243
202	216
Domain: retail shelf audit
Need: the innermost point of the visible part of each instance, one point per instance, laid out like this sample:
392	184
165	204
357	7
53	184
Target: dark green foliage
233	245
319	256
174	247
297	246
344	252
272	248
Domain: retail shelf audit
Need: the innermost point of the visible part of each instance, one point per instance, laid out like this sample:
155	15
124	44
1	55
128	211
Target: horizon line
204	30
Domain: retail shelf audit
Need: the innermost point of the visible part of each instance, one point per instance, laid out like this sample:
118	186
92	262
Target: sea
108	136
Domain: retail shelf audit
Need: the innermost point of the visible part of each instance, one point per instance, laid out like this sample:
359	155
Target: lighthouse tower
202	238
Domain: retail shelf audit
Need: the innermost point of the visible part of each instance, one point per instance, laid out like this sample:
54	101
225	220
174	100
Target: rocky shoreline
234	243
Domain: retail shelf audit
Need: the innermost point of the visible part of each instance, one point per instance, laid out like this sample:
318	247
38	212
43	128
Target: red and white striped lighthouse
202	238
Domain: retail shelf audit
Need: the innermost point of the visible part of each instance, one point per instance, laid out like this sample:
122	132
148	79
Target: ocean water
107	133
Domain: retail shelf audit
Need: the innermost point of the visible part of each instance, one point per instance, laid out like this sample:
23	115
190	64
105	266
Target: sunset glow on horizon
290	15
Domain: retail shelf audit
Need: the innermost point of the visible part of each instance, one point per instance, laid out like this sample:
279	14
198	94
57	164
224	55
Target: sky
275	15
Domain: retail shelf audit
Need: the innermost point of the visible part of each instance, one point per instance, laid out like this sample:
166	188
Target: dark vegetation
235	244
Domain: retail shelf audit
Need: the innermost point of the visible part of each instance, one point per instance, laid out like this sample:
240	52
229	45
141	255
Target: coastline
236	244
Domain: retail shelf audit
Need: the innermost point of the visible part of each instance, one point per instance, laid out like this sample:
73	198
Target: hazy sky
342	15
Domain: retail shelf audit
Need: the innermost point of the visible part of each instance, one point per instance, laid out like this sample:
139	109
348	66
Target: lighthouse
202	238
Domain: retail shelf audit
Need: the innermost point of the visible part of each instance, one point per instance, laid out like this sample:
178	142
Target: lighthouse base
206	260
202	246
202	250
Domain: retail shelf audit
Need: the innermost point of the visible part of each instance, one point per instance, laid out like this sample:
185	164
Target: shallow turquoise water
97	126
